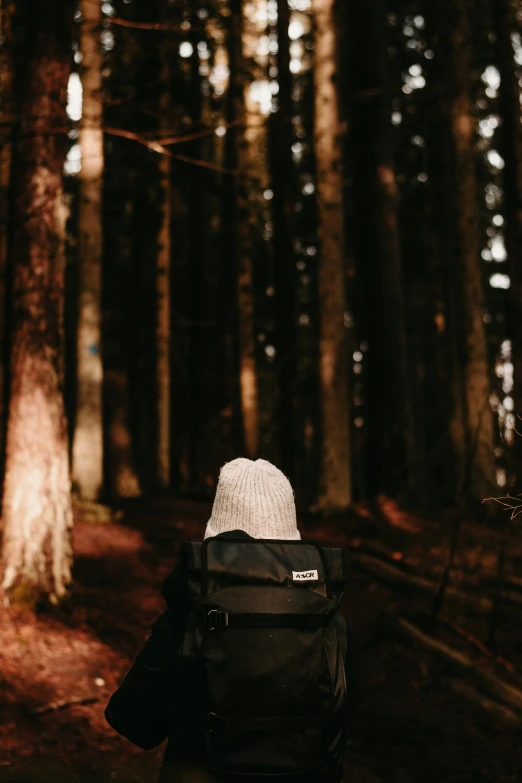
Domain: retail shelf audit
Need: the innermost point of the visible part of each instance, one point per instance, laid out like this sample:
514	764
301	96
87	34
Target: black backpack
266	628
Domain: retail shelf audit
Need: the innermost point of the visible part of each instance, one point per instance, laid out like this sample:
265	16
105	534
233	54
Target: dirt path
408	727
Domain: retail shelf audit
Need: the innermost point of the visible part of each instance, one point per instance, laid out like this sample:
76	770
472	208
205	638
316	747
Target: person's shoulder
173	586
235	534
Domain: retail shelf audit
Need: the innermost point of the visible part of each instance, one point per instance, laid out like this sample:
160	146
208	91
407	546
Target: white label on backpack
304	576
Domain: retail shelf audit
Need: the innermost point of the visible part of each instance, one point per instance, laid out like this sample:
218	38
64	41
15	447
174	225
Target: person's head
253	496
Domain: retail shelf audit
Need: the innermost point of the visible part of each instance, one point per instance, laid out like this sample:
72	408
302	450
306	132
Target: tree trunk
253	182
163	328
163	289
230	399
127	323
336	458
477	382
511	139
392	462
87	453
441	171
122	477
284	256
7	121
198	227
36	554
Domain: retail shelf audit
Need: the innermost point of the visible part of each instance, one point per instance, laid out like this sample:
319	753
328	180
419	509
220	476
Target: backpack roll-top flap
222	562
225	563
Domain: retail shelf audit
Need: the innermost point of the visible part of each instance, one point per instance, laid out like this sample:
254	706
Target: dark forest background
427	240
287	231
280	229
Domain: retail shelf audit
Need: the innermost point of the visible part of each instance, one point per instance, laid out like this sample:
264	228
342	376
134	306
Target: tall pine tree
36	552
333	354
87	454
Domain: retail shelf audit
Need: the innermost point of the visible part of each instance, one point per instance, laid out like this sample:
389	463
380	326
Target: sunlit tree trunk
480	469
36	553
336	458
163	290
253	182
511	135
87	454
392	450
7	119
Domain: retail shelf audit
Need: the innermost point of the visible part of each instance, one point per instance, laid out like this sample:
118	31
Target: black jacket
159	696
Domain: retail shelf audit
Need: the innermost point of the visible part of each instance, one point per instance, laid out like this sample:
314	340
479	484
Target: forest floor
410	725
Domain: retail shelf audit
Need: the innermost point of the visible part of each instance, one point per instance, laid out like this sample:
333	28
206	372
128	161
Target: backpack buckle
217	620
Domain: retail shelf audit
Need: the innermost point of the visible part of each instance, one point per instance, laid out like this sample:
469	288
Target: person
162	695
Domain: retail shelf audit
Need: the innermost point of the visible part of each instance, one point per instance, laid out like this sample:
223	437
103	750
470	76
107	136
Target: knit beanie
253	496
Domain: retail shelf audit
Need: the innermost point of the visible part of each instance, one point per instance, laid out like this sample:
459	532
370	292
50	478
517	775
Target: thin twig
197	135
150	144
117	20
204	164
515	509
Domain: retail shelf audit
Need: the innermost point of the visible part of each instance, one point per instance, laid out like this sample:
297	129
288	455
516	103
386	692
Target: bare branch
198	134
117	20
155	146
125	134
204	164
515	508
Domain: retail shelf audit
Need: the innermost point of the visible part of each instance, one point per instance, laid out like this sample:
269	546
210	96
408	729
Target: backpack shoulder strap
191	568
338	568
190	561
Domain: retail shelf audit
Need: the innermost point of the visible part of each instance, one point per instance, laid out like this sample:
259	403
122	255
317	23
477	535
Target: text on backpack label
304	576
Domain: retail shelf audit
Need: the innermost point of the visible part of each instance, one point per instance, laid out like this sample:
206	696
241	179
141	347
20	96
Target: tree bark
163	328
477	381
122	476
7	122
285	262
126	322
200	315
230	398
253	182
511	140
441	171
334	387
163	304
87	453
36	553
392	460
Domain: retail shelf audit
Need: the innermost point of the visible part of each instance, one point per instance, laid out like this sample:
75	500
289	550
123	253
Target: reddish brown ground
409	727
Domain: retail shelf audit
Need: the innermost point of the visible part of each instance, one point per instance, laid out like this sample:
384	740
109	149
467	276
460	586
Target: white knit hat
254	497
